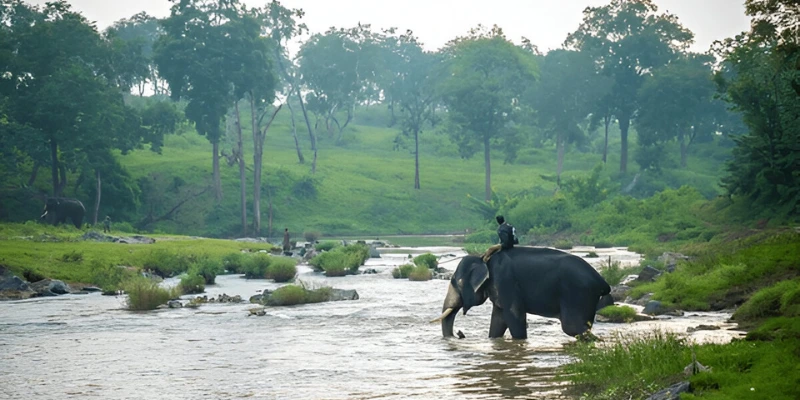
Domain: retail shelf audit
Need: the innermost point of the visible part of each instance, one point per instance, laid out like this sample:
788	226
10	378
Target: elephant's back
569	267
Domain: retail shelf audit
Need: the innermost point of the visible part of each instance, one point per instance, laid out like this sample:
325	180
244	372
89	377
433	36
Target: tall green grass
146	294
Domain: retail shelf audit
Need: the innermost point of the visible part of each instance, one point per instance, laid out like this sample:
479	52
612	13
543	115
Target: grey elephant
526	280
58	209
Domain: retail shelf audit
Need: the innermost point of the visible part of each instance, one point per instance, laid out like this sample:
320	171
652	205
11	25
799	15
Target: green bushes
32	276
165	263
263	266
402	271
341	260
207	268
255	266
327	245
233	263
146	294
420	273
109	277
311	236
427	260
618	313
282	269
290	295
613	273
72	256
781	299
192	284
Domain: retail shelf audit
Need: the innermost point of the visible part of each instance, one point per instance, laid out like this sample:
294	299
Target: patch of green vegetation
32	276
781	299
402	271
282	269
618	313
486	236
420	273
631	367
327	245
146	294
426	260
476	249
341	260
256	266
207	268
290	295
602	244
72	256
563	244
192	284
613	273
592	254
233	262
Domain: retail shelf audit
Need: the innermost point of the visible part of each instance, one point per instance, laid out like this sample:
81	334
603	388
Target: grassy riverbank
758	274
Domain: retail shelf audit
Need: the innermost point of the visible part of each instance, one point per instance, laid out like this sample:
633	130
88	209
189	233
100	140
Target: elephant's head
466	290
50	205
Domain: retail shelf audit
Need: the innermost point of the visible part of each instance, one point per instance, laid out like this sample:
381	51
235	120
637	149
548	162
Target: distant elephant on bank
58	209
526	280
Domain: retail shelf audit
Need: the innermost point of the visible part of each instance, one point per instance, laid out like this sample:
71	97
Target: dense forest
204	123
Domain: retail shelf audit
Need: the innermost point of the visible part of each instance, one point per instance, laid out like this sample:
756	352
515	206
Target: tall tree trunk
300	157
34	173
310	131
215	173
560	167
607	121
54	166
684	149
97	197
624	124
242	176
488	164
258	153
269	214
416	158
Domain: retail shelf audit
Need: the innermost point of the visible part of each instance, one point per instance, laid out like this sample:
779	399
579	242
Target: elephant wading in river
57	210
526	280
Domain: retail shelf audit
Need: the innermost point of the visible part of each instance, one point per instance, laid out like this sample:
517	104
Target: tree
134	38
627	39
337	68
677	103
487	75
761	83
562	98
193	57
412	73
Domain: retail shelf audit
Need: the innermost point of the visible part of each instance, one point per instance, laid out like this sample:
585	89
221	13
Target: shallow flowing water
380	346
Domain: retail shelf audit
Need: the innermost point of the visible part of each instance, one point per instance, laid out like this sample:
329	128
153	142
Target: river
378	347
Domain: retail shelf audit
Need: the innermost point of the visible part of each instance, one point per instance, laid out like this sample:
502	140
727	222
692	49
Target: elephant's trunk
452	303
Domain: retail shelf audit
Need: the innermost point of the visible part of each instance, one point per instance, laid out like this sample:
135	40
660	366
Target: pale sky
545	22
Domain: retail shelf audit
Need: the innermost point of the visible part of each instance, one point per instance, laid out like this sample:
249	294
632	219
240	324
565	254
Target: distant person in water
107	225
286	245
508	238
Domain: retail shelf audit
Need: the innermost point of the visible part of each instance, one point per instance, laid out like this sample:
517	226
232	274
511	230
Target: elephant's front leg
498	326
517	321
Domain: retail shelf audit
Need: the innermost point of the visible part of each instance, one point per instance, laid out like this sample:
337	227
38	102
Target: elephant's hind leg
577	315
517	321
498	326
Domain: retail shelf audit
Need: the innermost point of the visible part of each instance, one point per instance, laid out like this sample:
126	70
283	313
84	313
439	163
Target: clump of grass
207	268
427	260
618	313
341	260
32	276
146	294
282	269
420	273
613	272
327	245
256	266
633	366
781	299
233	262
592	255
192	284
165	263
402	271
72	256
109	277
288	295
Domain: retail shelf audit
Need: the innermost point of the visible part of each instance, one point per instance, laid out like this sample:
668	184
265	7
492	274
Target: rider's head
500	220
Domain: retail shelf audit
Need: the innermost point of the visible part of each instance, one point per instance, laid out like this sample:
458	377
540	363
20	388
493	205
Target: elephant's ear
474	279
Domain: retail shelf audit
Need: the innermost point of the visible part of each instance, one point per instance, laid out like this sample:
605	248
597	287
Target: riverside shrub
282	269
146	294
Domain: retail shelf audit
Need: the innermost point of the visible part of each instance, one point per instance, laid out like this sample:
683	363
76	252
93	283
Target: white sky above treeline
545	22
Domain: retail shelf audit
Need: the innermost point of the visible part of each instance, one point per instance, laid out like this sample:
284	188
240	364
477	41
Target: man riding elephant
508	238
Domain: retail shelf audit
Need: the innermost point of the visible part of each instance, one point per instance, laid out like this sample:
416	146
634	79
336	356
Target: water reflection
508	369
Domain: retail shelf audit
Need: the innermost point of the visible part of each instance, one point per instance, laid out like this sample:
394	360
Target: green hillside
364	185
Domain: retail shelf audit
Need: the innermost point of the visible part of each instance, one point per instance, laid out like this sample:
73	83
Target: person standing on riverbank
286	244
107	225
